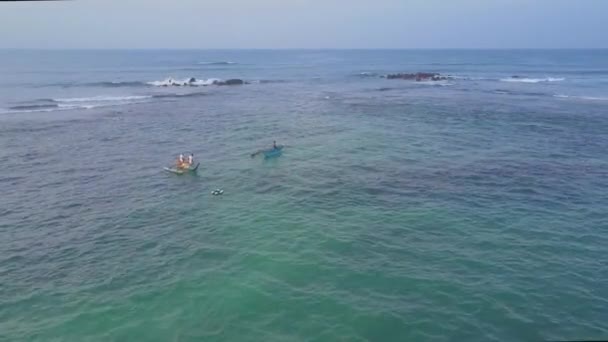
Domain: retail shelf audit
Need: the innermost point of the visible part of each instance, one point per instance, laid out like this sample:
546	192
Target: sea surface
473	208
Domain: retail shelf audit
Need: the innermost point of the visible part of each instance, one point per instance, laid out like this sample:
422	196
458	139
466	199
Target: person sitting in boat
181	163
274	145
191	159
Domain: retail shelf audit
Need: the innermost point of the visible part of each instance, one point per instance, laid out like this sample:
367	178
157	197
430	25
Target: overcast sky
305	24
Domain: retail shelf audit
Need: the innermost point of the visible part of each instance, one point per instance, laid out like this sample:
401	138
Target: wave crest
517	79
269	81
366	74
117	84
217	63
588	98
104	98
168	82
193	82
33	107
50	105
164	96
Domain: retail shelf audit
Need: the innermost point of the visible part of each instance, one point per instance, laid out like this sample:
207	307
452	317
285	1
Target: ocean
472	206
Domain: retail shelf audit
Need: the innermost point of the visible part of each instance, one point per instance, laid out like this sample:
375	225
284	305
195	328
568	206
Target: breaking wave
588	98
365	74
165	96
104	98
436	83
217	63
170	81
117	84
49	105
193	82
269	81
34	107
516	79
518	93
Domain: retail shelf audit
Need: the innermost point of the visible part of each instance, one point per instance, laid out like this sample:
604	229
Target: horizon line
303	48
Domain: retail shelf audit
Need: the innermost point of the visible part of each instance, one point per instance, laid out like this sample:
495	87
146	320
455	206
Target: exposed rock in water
420	76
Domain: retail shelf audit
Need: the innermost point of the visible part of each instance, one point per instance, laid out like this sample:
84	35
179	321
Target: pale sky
305	24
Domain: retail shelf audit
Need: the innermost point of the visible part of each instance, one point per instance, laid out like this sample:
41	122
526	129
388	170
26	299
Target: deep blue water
471	208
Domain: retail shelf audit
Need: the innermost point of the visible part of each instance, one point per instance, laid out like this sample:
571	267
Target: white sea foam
184	83
207	82
60	107
532	80
104	99
60	104
594	98
436	83
588	98
367	74
217	63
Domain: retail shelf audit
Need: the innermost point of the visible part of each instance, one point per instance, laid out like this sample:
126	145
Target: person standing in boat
274	147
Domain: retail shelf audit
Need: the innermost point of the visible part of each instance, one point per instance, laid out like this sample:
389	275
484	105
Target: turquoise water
462	210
